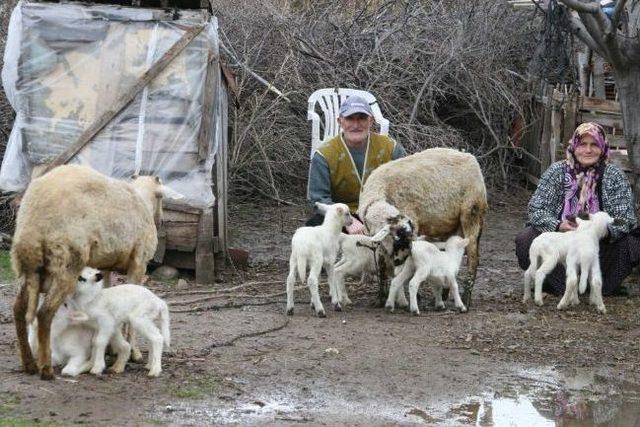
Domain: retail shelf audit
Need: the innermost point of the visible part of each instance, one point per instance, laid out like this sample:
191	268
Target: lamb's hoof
321	313
462	309
96	371
47	373
388	308
602	309
154	373
290	311
561	306
116	369
337	307
136	356
346	301
440	307
539	303
415	312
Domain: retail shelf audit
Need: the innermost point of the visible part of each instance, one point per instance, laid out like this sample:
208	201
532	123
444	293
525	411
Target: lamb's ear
584	216
380	235
322	208
135	176
339	210
158	180
78	316
169	193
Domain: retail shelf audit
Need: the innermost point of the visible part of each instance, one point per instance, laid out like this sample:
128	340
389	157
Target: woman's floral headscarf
580	183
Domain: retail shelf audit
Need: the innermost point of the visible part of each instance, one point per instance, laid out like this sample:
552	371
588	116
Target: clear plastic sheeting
66	64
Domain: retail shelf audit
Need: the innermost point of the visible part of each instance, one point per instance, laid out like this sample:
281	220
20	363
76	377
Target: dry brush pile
446	73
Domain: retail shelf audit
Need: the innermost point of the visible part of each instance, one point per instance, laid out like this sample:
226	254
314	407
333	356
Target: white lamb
107	310
317	247
577	249
70	343
439	268
358	258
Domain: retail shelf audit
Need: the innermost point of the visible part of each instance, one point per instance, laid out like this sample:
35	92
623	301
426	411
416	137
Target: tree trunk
628	83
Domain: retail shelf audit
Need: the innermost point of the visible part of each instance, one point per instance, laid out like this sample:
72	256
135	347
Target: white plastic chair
330	100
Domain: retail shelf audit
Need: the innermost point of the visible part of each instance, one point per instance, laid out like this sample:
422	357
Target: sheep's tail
164	326
302	268
32	287
584	275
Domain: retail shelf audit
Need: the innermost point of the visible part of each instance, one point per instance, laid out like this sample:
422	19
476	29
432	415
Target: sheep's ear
158	180
169	193
135	176
380	235
322	208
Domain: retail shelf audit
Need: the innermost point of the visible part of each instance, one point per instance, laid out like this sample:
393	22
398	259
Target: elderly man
340	166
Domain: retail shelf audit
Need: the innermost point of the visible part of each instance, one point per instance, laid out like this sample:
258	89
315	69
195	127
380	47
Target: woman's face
587	151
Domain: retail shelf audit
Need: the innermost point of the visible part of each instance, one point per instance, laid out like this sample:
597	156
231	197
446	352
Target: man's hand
567	225
356	227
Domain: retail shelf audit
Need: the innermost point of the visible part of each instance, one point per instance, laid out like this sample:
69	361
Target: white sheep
358	258
106	310
577	250
69	218
440	189
437	267
316	247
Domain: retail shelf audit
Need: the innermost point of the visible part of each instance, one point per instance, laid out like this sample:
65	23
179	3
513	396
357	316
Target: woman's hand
567	225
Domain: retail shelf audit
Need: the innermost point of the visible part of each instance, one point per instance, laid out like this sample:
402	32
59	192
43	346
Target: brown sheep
440	189
70	218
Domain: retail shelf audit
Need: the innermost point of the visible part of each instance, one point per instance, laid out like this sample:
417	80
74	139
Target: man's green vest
346	183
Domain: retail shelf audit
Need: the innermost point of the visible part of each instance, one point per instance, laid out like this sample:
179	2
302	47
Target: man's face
355	128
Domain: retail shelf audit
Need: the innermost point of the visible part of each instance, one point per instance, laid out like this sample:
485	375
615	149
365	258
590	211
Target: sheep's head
403	232
89	282
456	242
338	212
153	190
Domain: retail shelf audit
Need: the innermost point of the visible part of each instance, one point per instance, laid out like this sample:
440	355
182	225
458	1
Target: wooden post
205	268
598	77
570	117
545	158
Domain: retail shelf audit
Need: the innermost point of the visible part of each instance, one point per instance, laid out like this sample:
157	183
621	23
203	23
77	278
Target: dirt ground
238	359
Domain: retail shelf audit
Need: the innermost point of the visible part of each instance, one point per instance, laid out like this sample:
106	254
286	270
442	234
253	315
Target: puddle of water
546	398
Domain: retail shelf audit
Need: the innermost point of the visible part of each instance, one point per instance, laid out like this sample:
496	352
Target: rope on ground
197	300
169	294
230	342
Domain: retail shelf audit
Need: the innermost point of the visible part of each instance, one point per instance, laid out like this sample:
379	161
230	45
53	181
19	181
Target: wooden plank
556	130
603	119
221	163
597	80
617	141
600	105
204	249
208	98
177	216
569	119
621	159
181	207
128	96
181	236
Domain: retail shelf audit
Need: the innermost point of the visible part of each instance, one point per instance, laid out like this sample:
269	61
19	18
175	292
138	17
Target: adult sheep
440	189
69	218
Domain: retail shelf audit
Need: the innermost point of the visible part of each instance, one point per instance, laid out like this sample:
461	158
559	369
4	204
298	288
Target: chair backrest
330	100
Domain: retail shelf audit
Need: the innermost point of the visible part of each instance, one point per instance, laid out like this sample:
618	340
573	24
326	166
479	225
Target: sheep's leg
101	338
453	287
151	332
382	279
471	220
291	281
437	293
314	275
571	286
414	284
397	285
61	287
595	295
545	268
400	297
122	349
338	286
333	289
136	354
528	280
75	366
106	281
19	315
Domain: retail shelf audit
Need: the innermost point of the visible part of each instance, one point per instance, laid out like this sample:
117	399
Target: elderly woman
585	183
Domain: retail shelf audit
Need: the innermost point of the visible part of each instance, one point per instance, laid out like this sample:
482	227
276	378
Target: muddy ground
239	359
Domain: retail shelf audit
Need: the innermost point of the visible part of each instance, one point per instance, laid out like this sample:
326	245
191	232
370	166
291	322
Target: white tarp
65	64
